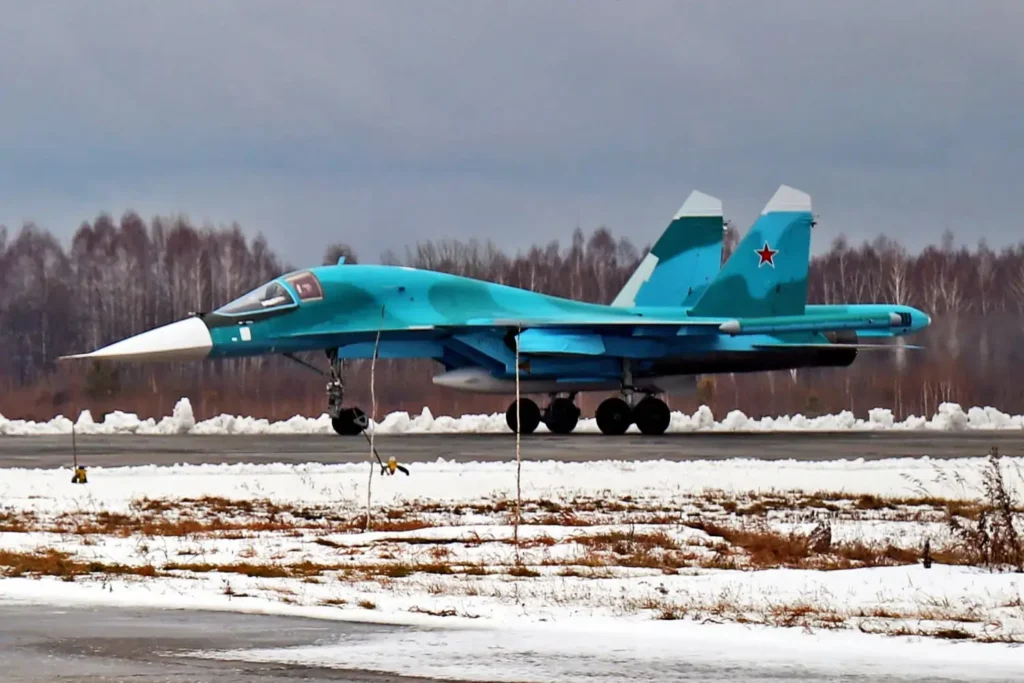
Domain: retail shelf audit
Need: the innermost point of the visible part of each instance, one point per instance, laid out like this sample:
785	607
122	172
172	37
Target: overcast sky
378	123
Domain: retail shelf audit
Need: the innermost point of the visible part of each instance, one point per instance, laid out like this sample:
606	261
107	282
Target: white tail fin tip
699	204
787	198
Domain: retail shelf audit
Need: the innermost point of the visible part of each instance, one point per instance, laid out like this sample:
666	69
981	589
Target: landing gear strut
346	421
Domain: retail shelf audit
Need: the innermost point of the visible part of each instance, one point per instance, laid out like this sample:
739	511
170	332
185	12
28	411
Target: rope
373	419
519	461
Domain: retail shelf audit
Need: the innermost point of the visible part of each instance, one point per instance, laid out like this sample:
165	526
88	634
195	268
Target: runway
43	643
120	450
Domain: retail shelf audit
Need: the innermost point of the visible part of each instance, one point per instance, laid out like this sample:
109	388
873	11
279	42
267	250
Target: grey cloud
509	120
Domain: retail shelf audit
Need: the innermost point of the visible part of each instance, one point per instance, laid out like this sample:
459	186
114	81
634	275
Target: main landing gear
560	416
614	416
651	416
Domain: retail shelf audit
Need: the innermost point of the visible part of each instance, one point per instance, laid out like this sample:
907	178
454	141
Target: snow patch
949	417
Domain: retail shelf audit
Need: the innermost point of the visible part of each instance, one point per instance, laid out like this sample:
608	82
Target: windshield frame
252	300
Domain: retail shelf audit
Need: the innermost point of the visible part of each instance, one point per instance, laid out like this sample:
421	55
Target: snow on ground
949	417
601	650
733	542
657	482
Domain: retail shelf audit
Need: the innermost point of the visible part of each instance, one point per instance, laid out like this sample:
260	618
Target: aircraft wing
731	326
595	321
587	335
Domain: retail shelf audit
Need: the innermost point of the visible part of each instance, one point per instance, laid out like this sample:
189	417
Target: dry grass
522	571
334	602
345	571
711	530
741	536
16	522
358	524
707	531
762	547
207	516
787	615
52	562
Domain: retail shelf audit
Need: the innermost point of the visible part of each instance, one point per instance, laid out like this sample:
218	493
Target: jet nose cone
183	340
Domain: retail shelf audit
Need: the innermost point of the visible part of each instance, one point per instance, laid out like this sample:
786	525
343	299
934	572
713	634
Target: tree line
117	278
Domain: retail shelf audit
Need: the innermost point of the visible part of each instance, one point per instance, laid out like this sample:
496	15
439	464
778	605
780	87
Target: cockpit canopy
275	295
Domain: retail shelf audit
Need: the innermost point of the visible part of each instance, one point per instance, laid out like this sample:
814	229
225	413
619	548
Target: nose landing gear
349	421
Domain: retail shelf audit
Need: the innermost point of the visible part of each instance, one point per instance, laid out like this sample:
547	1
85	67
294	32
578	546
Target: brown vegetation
52	562
991	537
119	278
764	548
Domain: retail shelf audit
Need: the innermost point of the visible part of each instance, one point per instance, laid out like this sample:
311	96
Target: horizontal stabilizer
859	347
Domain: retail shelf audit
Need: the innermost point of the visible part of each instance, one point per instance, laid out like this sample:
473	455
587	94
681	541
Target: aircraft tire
614	416
529	413
562	417
350	422
652	416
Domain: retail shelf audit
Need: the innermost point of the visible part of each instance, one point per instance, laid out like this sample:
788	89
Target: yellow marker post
79	476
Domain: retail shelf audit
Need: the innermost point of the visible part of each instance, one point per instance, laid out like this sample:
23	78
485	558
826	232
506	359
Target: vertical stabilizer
767	274
683	261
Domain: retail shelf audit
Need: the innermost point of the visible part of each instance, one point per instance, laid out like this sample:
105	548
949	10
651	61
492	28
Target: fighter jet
680	316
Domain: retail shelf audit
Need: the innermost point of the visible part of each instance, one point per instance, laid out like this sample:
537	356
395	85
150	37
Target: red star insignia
767	255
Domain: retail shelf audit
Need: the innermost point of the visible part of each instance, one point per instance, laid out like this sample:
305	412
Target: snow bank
950	417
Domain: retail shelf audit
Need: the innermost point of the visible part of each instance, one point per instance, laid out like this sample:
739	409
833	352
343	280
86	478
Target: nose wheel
350	421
